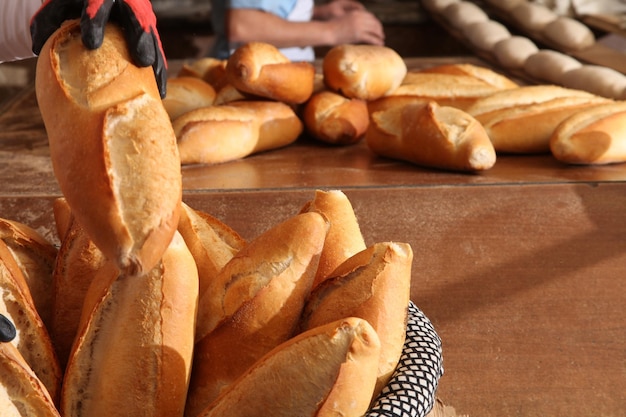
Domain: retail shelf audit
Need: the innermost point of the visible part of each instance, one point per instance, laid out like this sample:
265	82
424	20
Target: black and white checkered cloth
411	390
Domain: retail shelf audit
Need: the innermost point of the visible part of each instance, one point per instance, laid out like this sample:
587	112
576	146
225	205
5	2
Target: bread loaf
596	79
133	352
211	243
523	119
335	119
216	134
254	304
261	69
279	125
484	35
593	136
32	340
21	392
549	66
461	14
35	256
78	261
532	17
513	52
375	285
344	237
430	135
327	371
112	146
569	34
187	93
365	72
479	73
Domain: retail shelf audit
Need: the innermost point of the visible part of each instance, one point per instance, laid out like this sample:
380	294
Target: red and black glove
135	16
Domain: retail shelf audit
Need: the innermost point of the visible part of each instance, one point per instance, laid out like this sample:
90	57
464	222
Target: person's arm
357	26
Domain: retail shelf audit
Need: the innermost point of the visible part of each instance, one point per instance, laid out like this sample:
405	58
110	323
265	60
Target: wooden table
520	268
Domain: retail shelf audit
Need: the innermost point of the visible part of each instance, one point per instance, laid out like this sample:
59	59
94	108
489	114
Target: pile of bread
303	320
563	36
454	116
151	308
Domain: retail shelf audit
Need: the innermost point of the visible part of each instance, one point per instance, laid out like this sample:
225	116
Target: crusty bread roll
133	352
344	237
228	94
365	72
216	134
21	392
569	34
222	133
461	14
593	136
549	65
279	125
199	67
187	93
260	69
596	79
453	90
375	285
77	263
112	146
327	371
254	304
480	73
513	52
32	341
333	118
532	17
484	35
523	119
35	256
431	135
211	243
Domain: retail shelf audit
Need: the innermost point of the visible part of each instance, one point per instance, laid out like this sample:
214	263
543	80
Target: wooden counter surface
521	269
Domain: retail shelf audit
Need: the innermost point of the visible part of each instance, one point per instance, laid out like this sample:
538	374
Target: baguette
484	35
447	89
279	125
260	69
462	14
539	109
569	34
130	357
344	237
216	134
549	66
77	263
430	135
187	93
594	136
365	72
596	79
211	243
35	256
375	285
479	73
513	52
335	119
33	340
327	371
254	305
22	394
532	17
112	146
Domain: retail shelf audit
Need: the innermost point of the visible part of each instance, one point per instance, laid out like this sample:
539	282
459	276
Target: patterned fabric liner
411	390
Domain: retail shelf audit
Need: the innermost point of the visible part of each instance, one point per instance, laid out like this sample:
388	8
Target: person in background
293	26
27	24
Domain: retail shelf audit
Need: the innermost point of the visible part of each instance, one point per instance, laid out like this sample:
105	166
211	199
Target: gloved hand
135	16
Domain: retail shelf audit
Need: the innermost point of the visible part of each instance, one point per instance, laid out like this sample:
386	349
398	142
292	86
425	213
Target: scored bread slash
430	135
112	146
312	374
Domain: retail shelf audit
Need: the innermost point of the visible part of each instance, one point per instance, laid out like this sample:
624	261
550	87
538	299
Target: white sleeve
15	40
